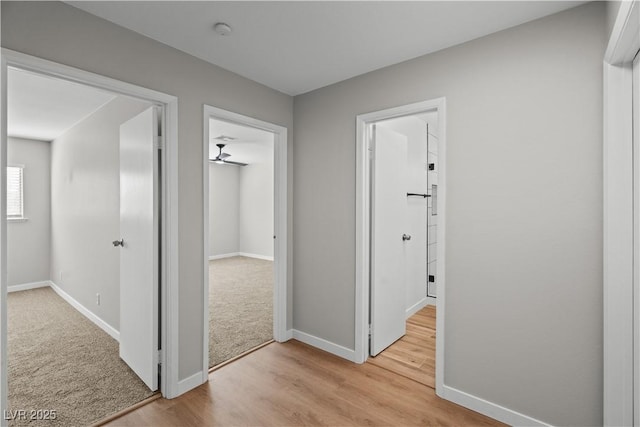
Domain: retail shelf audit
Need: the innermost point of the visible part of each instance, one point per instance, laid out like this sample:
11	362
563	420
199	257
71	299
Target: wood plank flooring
295	384
414	355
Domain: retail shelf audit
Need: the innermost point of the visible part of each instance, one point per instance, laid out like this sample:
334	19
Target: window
15	202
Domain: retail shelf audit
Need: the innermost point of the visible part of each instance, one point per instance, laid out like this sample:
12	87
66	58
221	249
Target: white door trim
280	221
619	259
3	241
363	209
169	255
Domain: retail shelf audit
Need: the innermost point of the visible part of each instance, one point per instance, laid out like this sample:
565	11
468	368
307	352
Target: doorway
404	193
240	240
65	206
245	240
401	192
163	321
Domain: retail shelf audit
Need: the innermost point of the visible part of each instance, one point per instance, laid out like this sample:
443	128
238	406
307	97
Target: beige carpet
59	360
240	306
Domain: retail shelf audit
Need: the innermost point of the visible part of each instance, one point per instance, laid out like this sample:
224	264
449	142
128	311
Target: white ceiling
295	47
251	145
43	108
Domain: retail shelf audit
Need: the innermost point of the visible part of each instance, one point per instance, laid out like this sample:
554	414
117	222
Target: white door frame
169	208
280	220
621	262
363	217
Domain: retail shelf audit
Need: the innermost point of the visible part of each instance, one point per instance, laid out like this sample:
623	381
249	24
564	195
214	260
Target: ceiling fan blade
234	163
223	156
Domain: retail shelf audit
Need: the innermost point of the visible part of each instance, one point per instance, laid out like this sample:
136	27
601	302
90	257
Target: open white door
138	245
388	217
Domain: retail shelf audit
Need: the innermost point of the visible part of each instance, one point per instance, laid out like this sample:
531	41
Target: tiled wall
432	218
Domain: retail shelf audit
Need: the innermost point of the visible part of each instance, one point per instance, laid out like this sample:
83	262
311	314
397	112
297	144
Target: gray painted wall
85	208
524	210
28	241
241	206
612	13
256	205
224	203
61	33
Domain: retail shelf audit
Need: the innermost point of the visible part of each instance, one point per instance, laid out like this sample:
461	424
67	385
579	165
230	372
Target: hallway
295	384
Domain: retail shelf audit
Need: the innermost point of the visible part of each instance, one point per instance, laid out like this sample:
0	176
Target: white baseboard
221	256
288	335
431	301
86	312
325	345
248	255
489	409
191	382
27	286
417	307
245	254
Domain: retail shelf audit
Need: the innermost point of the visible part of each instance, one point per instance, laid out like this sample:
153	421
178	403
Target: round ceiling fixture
222	29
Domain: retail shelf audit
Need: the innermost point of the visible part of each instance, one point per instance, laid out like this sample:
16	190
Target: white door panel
388	219
139	250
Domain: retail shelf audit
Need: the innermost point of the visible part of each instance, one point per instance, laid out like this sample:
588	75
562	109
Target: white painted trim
222	256
363	176
635	308
281	221
23	219
417	307
625	35
27	286
440	238
169	256
3	240
325	345
169	288
288	335
244	254
115	334
489	409
192	382
619	261
256	256
431	301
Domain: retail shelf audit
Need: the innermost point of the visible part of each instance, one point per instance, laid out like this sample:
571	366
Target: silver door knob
118	242
406	237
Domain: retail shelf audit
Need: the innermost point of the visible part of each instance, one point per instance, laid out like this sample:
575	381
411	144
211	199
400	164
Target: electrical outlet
98	299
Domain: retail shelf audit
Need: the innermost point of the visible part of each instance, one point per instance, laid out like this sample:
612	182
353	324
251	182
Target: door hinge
159	145
432	278
369	330
159	357
432	166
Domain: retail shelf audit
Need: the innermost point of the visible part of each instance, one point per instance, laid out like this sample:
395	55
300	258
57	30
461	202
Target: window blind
15	204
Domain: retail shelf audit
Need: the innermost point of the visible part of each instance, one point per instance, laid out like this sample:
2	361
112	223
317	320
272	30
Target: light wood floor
414	355
294	384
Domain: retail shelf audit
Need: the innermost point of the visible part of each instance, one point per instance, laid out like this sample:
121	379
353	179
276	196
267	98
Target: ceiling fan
222	158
